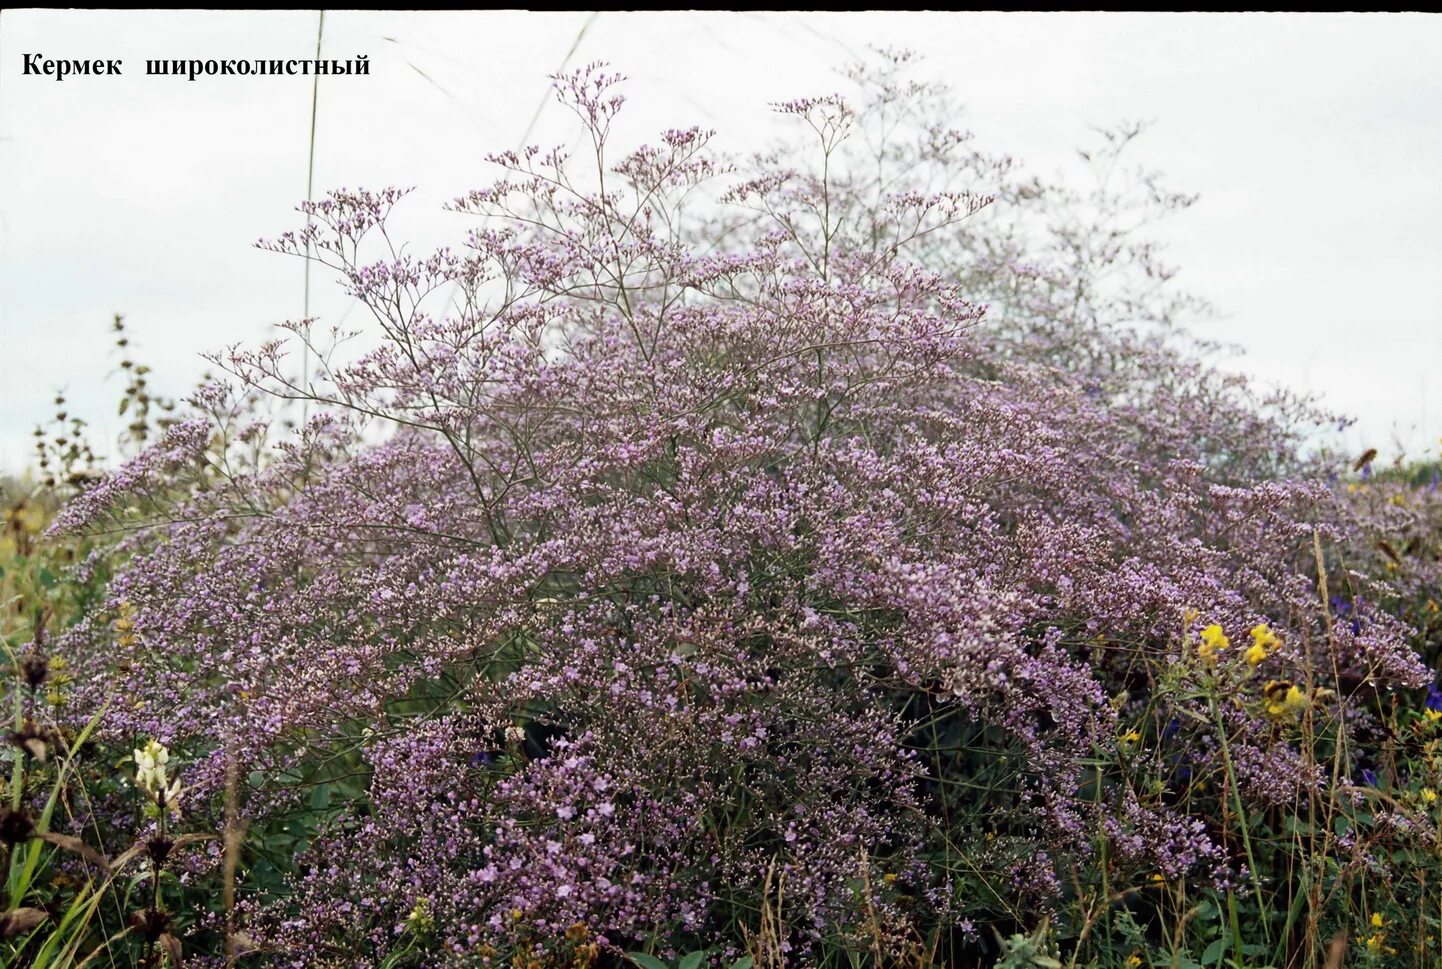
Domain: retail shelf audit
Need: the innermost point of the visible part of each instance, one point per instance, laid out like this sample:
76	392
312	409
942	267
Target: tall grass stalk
309	193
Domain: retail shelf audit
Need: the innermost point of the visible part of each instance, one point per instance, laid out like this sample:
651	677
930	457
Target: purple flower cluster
658	558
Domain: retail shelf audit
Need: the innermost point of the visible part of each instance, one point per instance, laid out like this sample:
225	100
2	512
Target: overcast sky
1315	143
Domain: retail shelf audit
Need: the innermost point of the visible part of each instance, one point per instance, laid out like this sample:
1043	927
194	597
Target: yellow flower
1255	654
1134	961
1263	636
1429	796
1432	716
1285	701
1377	941
1131	737
1213	642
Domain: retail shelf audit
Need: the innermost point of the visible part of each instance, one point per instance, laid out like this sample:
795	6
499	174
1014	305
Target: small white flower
172	797
152	757
151	779
150	775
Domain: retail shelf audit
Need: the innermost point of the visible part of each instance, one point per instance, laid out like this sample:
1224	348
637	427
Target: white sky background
1314	141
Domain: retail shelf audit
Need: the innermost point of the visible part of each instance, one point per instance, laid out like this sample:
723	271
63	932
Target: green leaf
644	961
1295	825
1213	954
692	960
742	963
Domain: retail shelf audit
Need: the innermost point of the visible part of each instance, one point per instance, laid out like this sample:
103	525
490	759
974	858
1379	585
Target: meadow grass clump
837	558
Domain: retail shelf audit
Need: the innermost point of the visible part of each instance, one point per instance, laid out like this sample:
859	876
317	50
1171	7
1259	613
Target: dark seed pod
159	850
151	923
16	826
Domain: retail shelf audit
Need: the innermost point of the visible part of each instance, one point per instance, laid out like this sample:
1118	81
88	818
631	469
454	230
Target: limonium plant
828	552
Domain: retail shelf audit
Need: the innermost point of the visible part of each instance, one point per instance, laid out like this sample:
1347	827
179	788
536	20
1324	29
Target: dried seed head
34	668
19	921
34	740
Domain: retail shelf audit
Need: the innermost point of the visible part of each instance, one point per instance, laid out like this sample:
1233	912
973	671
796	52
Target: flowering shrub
786	557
